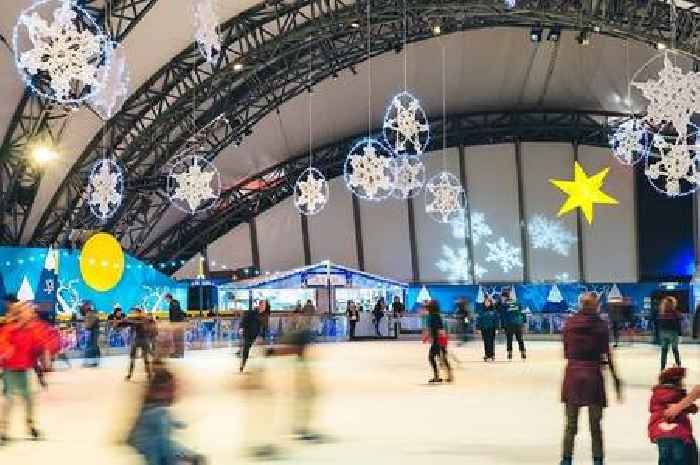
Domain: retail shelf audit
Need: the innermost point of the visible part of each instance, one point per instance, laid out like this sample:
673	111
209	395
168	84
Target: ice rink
375	406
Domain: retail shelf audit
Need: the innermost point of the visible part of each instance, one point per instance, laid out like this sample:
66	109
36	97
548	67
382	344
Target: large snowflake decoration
114	88
673	98
444	197
192	183
60	60
455	263
409	176
550	235
630	142
406	127
504	254
105	188
479	228
672	166
369	170
206	33
310	192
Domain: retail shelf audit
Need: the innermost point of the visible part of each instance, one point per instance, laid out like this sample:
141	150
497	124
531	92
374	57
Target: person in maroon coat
587	350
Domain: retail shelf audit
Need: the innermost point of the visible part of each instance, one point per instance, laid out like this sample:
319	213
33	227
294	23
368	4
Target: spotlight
43	153
584	37
554	34
355	25
238	66
536	34
661	46
437	30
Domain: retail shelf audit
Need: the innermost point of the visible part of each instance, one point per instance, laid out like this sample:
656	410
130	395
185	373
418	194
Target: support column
468	242
522	217
254	250
579	232
358	233
305	239
415	267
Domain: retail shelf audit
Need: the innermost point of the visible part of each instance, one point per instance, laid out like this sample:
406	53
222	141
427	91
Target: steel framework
256	194
277	41
35	117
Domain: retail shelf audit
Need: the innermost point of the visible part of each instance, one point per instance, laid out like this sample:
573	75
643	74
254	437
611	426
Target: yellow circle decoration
102	262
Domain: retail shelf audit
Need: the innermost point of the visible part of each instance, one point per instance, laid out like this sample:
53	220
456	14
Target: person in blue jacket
512	320
487	320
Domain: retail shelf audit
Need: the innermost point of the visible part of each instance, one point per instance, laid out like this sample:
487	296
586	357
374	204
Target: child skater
152	432
674	438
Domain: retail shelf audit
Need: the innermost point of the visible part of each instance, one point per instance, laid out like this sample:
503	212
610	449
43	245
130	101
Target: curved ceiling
486	69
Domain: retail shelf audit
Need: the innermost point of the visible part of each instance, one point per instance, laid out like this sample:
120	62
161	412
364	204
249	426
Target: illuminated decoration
630	142
509	4
369	170
109	98
480	295
105	188
153	297
311	192
584	192
102	262
563	278
423	295
25	292
60	60
504	255
444	197
67	297
554	295
409	176
614	293
193	183
672	166
550	235
406	127
206	33
673	98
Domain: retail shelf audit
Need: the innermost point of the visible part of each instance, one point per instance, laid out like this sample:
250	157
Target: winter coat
152	434
175	313
670	321
585	343
487	319
511	314
662	397
250	324
696	324
21	345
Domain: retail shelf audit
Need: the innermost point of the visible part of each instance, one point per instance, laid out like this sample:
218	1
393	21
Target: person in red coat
21	345
674	438
587	350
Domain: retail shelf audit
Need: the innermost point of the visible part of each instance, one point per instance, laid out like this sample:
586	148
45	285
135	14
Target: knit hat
672	375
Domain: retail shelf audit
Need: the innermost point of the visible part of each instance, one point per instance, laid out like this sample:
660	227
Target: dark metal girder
19	180
278	41
263	190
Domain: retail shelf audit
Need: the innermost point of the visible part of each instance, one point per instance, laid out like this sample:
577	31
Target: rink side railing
203	333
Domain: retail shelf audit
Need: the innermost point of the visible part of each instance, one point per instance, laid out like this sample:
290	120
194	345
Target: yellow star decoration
584	191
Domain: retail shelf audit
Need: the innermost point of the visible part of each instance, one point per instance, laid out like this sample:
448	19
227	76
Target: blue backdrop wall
141	284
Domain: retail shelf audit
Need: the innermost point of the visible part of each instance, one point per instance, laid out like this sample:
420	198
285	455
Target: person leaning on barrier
177	318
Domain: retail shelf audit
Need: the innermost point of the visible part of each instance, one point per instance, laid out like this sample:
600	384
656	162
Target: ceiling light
355	25
554	34
536	34
238	66
437	30
44	153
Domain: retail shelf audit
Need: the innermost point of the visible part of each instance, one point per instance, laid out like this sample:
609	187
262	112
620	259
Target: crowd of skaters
28	345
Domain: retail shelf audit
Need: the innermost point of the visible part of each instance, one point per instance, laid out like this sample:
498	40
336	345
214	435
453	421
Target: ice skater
436	334
513	319
587	350
378	314
673	438
142	335
250	330
669	323
487	321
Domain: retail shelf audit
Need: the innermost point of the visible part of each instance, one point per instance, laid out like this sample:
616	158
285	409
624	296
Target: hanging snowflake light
206	32
550	235
406	127
444	197
193	183
105	188
369	170
673	98
60	60
673	166
311	192
114	88
504	254
630	141
409	176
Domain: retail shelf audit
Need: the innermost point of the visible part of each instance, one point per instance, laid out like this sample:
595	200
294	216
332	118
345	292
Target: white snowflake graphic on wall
406	127
550	235
479	228
504	254
105	188
455	263
69	56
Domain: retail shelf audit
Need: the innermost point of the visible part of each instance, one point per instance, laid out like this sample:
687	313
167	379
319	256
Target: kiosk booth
327	286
